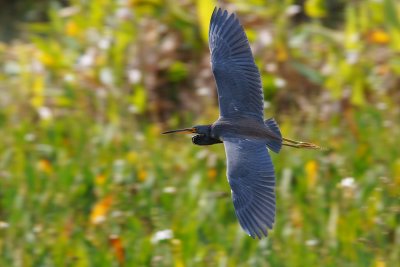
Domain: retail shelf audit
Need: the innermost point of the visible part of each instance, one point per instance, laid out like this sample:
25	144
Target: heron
241	127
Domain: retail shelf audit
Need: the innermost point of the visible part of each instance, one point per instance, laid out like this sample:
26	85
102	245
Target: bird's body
241	126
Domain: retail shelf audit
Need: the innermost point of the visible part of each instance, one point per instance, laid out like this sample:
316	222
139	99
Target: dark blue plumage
236	74
275	144
251	177
241	126
249	167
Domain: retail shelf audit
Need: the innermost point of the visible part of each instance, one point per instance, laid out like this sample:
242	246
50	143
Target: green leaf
177	71
139	98
391	13
311	74
357	96
315	8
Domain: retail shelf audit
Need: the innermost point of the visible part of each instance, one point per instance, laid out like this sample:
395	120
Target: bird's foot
299	144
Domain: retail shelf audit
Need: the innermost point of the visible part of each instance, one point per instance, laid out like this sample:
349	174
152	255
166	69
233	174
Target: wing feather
251	177
237	77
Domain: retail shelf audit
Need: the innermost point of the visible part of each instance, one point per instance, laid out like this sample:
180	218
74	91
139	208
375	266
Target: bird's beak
184	131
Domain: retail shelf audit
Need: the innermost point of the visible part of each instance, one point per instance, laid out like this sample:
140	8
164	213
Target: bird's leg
299	144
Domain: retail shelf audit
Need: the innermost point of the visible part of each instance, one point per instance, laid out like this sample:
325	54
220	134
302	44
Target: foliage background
86	179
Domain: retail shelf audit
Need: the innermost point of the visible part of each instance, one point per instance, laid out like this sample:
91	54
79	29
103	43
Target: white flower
271	67
134	76
69	77
266	38
4	225
352	57
169	190
312	242
106	76
279	82
29	137
104	43
267	104
162	235
347	182
123	13
87	59
45	113
293	10
203	91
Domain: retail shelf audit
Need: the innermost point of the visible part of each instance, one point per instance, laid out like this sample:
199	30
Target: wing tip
258	233
220	14
213	13
254	226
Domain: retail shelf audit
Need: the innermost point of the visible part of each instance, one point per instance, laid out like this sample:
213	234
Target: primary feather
249	167
236	74
251	177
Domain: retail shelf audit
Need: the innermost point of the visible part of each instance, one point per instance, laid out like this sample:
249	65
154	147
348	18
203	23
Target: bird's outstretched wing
251	177
236	74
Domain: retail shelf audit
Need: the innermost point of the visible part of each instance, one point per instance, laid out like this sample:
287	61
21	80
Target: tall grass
86	179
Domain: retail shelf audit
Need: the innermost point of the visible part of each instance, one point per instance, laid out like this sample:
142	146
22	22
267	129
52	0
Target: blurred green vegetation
86	179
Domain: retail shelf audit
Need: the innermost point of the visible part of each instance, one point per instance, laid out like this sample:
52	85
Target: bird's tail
275	143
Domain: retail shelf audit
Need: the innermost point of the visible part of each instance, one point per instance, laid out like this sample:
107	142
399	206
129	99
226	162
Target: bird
241	126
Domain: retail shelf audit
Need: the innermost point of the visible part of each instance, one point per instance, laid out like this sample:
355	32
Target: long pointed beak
184	131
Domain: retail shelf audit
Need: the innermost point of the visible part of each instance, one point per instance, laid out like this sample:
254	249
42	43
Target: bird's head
198	129
202	135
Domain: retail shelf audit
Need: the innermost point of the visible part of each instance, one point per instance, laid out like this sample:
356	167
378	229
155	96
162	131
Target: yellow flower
380	263
311	169
46	59
155	130
132	157
379	37
281	53
38	88
212	174
177	252
100	210
71	29
37	101
44	165
315	8
100	179
142	175
396	178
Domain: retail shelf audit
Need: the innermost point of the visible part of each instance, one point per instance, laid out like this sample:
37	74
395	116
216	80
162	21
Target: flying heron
241	126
